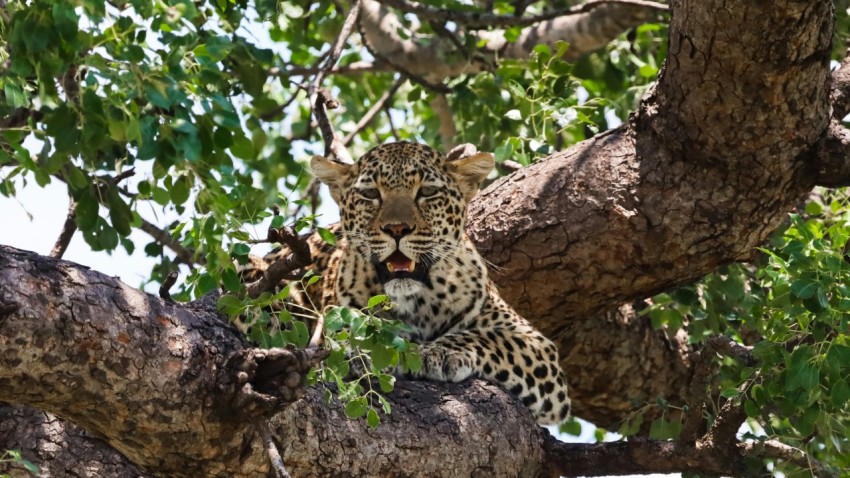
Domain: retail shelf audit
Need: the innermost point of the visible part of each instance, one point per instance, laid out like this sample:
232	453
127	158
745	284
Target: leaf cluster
792	306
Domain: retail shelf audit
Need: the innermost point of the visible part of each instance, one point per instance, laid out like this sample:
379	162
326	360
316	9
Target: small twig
477	20
68	230
271	449
393	129
164	238
373	111
167	284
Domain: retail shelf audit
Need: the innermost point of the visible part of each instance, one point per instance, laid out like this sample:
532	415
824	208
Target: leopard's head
402	205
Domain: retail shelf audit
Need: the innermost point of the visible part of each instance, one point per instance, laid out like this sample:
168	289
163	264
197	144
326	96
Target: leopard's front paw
445	365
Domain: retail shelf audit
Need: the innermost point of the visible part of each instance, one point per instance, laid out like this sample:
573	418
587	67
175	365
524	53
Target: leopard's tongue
398	262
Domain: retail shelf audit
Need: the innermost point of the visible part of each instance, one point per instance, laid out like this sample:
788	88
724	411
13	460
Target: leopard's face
402	207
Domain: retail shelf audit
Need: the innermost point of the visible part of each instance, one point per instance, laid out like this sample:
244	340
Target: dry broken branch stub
298	257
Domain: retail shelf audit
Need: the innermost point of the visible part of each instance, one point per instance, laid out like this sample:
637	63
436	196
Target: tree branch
477	20
68	230
830	158
434	59
355	68
781	451
448	129
376	108
840	94
321	100
640	456
298	257
164	238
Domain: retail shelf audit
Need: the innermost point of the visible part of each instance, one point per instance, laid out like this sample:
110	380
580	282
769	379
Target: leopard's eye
427	191
370	193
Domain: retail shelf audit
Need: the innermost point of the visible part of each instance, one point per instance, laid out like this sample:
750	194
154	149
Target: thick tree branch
436	58
490	20
682	189
831	157
641	456
840	94
172	388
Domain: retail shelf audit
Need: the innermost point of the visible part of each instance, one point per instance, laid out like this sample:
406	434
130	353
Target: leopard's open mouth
399	266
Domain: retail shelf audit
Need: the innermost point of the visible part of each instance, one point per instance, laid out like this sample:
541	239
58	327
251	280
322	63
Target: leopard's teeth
412	265
390	267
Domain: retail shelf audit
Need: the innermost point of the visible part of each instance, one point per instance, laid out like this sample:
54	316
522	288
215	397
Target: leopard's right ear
336	175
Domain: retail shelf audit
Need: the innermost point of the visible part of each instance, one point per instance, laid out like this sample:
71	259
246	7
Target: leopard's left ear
469	171
335	175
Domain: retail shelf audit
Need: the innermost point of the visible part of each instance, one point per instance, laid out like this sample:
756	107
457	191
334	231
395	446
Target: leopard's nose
397	231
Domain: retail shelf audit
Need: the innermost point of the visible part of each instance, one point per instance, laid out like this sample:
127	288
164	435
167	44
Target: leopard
402	234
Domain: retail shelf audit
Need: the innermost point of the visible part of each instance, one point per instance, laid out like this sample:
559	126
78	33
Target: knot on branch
268	379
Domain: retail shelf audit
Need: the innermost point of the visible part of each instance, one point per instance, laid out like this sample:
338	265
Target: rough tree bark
733	135
710	164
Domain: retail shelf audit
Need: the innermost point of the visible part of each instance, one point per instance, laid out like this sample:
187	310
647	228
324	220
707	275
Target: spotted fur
407	198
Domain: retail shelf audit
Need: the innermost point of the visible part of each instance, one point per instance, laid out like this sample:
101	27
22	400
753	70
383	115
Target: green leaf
372	418
412	362
662	429
205	284
631	425
383	357
326	235
229	305
570	427
804	288
15	96
801	373
377	300
840	394
333	320
356	408
298	335
730	392
241	249
386	382
119	213
231	280
179	191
